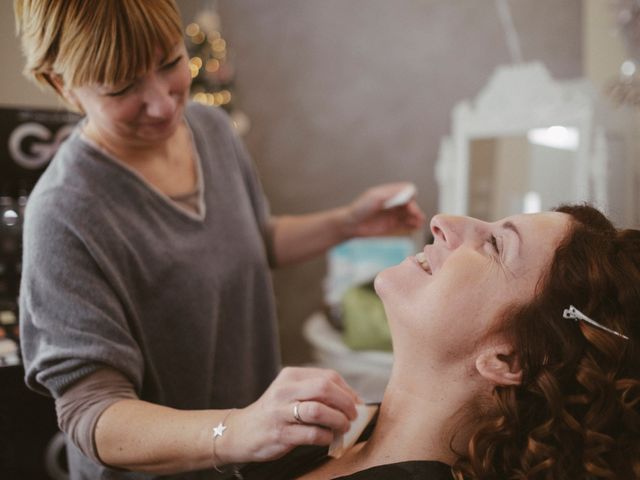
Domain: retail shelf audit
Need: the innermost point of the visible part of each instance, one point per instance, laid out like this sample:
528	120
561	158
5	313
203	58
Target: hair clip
575	314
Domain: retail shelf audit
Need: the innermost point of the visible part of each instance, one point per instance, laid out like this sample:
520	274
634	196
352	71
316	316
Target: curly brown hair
576	414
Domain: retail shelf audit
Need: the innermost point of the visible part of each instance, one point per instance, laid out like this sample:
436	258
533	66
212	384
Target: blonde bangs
112	42
39	26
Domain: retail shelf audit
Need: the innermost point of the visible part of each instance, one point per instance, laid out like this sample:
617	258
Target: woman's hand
296	238
267	429
367	215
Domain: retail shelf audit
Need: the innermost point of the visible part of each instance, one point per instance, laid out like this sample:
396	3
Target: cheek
405	293
124	111
181	80
463	285
462	297
397	285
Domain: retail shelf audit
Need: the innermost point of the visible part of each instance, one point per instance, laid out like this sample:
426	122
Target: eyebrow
171	54
508	225
165	58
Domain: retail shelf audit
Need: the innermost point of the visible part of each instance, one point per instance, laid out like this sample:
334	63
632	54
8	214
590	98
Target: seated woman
517	355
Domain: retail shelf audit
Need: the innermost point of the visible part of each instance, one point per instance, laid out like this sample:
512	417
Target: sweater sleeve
80	406
72	320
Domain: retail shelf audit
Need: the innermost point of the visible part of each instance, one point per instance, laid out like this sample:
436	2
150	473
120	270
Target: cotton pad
403	197
343	442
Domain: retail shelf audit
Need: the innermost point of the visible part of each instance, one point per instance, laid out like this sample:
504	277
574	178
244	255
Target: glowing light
200	97
558	136
197	61
532	203
225	97
198	38
219	45
192	29
10	218
628	68
213	65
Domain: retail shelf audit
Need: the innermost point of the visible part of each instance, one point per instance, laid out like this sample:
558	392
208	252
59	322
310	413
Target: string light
212	65
192	29
211	71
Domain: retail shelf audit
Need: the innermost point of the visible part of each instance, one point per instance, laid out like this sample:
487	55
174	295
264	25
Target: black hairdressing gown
304	459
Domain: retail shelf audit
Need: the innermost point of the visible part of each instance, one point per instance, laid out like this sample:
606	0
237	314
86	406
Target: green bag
364	321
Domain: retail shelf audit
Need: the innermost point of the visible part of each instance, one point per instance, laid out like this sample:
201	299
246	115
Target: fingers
388	190
323	386
320	398
415	211
324	404
404	210
305	435
319	414
261	436
322	376
412	215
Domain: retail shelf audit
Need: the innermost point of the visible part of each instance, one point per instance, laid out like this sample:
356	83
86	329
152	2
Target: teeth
424	263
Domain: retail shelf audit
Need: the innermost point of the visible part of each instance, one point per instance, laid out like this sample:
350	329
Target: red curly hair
576	414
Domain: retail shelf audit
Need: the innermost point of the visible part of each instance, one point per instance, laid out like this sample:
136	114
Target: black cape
304	459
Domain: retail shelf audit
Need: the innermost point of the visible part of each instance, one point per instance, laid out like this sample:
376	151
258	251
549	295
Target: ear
499	364
57	83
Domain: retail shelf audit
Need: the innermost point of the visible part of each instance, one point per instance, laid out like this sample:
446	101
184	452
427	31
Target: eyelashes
166	66
120	92
494	243
172	64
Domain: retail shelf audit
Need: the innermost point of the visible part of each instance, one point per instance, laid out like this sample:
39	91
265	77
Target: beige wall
343	94
603	52
16	90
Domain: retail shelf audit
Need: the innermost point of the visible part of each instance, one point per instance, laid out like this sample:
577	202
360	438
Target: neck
421	418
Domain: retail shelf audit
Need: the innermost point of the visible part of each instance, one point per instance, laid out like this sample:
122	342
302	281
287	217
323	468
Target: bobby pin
575	314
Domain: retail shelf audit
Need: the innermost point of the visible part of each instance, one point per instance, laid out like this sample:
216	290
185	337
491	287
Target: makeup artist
146	304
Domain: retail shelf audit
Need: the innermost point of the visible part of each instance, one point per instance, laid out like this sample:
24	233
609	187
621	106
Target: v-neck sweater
115	273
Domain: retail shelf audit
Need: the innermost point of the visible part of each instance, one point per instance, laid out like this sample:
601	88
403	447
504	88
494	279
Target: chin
381	284
159	133
388	287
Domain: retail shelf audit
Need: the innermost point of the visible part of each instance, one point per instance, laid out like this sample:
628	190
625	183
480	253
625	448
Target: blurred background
489	107
343	95
339	95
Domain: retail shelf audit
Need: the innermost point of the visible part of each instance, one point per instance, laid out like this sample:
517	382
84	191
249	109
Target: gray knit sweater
115	273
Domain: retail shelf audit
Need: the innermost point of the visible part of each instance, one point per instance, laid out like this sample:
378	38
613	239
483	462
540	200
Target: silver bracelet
218	431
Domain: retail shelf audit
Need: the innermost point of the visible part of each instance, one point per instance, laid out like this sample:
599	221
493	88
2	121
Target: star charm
219	430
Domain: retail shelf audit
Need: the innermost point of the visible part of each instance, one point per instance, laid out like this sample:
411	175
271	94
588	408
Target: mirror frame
516	99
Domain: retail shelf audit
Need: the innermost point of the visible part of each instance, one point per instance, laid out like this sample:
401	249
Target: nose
453	231
159	102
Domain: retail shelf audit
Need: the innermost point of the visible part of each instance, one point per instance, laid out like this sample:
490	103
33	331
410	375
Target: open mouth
421	258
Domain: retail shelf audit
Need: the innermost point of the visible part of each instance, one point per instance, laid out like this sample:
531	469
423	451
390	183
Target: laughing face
450	293
140	113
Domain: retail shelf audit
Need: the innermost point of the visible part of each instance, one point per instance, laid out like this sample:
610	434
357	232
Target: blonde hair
101	42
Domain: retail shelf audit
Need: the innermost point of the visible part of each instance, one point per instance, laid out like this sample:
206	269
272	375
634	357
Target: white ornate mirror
529	143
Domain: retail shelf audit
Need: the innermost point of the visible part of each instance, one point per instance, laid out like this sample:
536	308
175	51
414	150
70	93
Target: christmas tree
212	71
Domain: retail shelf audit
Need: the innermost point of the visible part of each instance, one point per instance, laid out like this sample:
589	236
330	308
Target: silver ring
296	414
